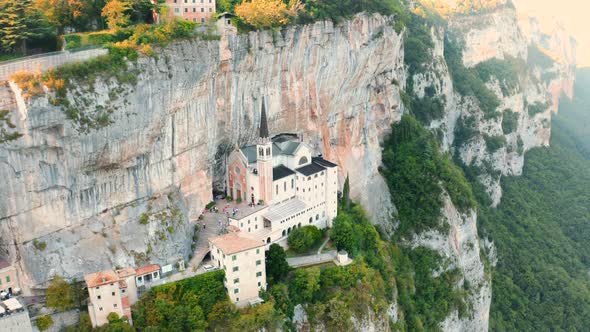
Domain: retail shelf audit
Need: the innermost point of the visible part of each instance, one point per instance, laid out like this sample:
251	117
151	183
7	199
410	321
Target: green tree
304	285
20	22
115	12
277	267
44	322
302	239
60	295
222	313
346	193
342	233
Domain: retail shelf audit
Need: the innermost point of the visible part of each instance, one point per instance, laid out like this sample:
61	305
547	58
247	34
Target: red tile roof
101	278
147	269
232	243
126	272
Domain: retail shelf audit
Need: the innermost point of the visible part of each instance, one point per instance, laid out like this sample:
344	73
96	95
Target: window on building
7	278
310	220
185	1
259	284
114	305
303	160
186	9
202	20
258	262
237	170
268	151
100	309
236	280
235	269
113	293
98	297
177	10
277	189
285	186
257	251
236	290
194	10
234	257
258	274
210	10
202	10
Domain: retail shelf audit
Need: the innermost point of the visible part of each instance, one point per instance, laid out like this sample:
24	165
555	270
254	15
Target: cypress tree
346	193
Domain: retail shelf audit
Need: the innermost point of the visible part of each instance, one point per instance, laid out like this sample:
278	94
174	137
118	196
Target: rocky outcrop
461	248
497	35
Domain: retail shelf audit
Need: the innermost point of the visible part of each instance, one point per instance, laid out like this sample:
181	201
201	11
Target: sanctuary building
286	186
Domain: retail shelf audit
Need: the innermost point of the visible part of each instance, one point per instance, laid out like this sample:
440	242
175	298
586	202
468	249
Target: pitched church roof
263	122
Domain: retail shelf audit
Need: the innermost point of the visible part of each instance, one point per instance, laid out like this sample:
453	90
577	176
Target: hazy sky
574	14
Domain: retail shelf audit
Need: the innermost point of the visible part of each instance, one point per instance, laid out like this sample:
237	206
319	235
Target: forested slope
542	230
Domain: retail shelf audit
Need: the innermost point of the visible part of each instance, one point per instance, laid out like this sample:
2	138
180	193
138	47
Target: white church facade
285	185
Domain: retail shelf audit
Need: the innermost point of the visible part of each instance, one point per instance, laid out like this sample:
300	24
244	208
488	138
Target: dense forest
542	230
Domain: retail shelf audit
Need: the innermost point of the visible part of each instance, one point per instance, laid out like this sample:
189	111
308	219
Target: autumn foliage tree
263	13
115	13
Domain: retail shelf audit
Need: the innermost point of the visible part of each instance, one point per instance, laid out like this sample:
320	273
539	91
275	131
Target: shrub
144	219
509	121
73	41
100	38
507	71
39	245
465	130
468	82
44	322
537	108
302	239
210	205
494	143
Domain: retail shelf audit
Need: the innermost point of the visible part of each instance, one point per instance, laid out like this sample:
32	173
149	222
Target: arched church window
261	152
268	151
237	170
303	160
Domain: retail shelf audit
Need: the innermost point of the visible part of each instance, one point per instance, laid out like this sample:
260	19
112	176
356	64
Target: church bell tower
264	158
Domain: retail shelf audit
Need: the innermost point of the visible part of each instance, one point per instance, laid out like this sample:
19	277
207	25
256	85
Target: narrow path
312	259
323	245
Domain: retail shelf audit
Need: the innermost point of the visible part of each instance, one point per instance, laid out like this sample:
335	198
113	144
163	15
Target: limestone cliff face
333	84
498	35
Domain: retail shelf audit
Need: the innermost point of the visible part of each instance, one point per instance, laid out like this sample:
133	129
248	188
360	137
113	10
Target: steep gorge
338	85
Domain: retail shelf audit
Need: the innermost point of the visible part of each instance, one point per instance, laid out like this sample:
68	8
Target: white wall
249	263
284	189
108	302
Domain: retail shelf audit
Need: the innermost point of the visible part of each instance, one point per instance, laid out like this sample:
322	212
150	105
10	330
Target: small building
127	284
8	278
146	275
225	25
242	258
14	317
190	10
107	293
